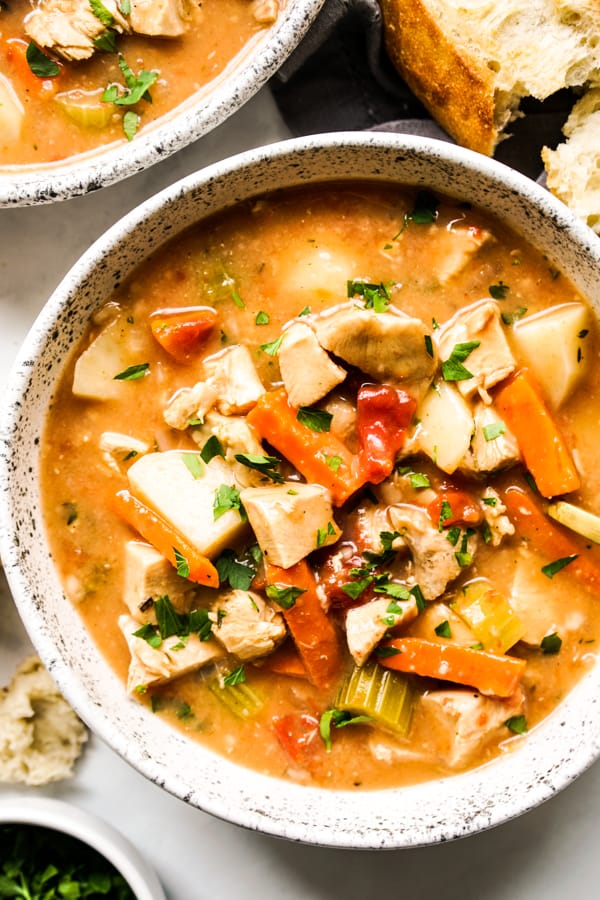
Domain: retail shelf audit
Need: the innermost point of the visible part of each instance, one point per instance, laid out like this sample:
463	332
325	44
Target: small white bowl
91	830
203	111
551	756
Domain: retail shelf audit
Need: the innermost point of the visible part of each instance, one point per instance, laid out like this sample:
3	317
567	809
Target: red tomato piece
461	509
298	734
383	415
182	332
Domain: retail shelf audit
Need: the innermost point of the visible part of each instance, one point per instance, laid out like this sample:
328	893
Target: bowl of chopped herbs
50	849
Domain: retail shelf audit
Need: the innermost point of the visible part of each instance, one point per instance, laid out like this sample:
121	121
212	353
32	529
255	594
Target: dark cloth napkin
340	78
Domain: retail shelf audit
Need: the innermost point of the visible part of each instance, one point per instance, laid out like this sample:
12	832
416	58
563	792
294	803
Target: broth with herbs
321	481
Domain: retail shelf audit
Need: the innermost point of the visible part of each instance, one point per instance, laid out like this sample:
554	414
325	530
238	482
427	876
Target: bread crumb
40	735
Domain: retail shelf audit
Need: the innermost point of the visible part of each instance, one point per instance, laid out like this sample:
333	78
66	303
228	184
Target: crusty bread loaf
573	169
471	62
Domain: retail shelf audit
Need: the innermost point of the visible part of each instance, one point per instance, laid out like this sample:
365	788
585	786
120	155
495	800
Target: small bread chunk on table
290	520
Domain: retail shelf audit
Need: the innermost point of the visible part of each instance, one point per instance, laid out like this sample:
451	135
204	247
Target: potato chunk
187	500
555	344
147	576
446	426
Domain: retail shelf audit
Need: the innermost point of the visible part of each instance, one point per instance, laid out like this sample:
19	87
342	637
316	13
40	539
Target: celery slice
86	108
240	699
577	519
384	696
488	614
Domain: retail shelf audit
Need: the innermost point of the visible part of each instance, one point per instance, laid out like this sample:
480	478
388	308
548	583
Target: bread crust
456	88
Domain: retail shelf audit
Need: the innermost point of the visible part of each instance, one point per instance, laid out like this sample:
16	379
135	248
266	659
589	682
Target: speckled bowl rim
209	107
57	815
531	771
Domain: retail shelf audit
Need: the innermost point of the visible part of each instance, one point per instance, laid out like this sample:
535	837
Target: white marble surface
549	853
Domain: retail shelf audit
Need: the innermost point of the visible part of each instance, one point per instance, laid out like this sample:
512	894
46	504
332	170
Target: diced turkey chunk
540	610
454	249
494	513
159	18
165	483
388	346
343	422
148	576
233	374
367	624
307	371
371	521
493	446
233	432
118	448
265	11
247	626
189	404
150	666
492	360
69	27
290	520
463	722
445	427
434	558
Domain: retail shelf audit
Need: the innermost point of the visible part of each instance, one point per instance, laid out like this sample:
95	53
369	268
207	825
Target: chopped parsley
263	464
238	571
238	676
443	629
193	464
514	316
490	501
102	13
424	211
324	533
453	534
40	64
517	724
183	566
355	588
498	291
304	312
132	373
106	42
213	447
493	430
315	419
452	368
131	124
551	644
169	623
338	718
272	349
445	514
334	462
284	594
428	344
237	299
71	513
552	568
227	498
262	318
376	296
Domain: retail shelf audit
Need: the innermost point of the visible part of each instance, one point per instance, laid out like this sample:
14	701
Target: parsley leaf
514	316
376	296
132	373
315	419
355	588
238	676
498	291
493	430
552	568
193	464
443	629
131	123
183	566
150	634
238	571
517	724
263	464
284	594
102	13
338	718
551	644
272	349
226	498
40	64
452	368
262	318
213	447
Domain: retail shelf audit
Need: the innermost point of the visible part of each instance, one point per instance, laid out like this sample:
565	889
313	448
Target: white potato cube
107	356
147	576
445	426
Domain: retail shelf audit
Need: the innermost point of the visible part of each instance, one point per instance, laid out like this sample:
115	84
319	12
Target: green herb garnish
376	296
552	568
263	464
272	348
238	676
226	498
285	595
443	629
193	464
213	447
498	291
262	318
551	644
132	373
338	718
239	572
517	724
493	430
315	419
183	566
452	368
40	64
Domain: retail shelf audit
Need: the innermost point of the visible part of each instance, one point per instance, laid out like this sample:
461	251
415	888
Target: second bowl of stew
301	503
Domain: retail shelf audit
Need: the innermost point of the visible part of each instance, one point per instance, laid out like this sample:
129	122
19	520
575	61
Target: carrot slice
15	51
158	532
550	539
320	456
182	332
488	672
544	449
285	661
313	631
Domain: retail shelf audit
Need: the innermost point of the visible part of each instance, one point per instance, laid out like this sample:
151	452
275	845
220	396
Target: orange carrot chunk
318	455
173	546
182	332
543	447
551	539
311	628
285	661
487	672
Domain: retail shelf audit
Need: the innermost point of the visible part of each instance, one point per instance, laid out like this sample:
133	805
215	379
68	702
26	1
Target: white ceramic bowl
553	754
91	830
209	107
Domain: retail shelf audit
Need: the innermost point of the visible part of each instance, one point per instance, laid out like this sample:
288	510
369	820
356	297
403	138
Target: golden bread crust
451	83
